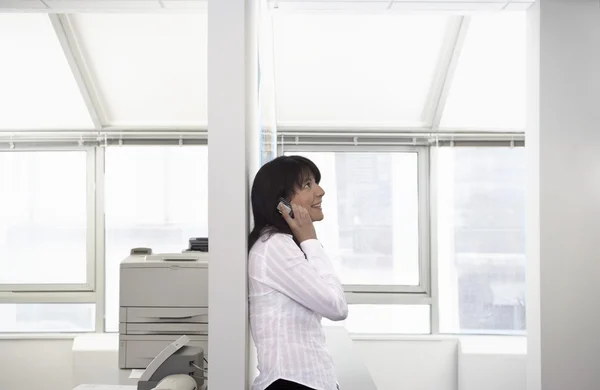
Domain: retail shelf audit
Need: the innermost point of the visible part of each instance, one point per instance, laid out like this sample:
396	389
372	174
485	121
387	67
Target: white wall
414	365
494	363
563	142
394	365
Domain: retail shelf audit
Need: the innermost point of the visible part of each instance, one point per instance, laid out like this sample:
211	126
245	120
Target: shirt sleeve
310	280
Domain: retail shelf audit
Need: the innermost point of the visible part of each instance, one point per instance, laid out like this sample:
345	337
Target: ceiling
63	6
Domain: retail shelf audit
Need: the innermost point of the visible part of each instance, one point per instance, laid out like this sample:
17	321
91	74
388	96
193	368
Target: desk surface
351	371
114	387
105	387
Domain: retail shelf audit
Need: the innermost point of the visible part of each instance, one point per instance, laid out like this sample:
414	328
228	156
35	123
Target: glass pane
355	68
404	319
481	239
47	317
150	68
156	197
43	217
489	86
371	225
37	88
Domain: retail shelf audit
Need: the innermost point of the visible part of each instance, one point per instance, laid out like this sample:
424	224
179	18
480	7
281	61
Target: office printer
177	367
162	297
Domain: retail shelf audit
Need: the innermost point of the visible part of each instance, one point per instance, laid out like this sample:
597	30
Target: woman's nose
321	191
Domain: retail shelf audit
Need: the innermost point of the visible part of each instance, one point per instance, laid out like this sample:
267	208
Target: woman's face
309	197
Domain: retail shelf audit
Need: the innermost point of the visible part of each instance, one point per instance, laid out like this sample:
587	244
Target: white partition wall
563	142
232	95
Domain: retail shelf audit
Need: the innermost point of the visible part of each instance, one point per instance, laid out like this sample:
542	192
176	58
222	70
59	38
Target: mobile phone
286	204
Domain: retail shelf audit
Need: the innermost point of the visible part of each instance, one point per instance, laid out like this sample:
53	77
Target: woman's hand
301	225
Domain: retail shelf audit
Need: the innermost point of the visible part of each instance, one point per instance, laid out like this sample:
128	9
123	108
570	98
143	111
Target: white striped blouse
289	293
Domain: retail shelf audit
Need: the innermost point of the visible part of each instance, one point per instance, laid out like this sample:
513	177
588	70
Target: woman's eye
307	185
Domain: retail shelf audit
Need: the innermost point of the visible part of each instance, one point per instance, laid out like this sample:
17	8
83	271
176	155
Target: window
44	238
156	197
372	224
481	239
44	221
40	318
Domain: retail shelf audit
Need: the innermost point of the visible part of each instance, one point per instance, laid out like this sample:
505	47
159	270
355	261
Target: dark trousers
281	384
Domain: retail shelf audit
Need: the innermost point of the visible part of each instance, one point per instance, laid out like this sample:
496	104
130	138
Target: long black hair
279	178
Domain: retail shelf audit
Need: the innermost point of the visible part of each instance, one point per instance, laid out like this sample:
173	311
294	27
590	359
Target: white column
563	146
232	159
253	141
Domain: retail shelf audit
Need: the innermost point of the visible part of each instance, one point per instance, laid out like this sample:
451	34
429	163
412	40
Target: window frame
63	292
390	294
426	149
95	148
428	145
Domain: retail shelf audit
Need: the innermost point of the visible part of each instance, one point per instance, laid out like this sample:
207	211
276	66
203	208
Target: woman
292	284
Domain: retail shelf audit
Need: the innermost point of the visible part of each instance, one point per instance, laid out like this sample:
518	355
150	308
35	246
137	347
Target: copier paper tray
163	314
163	328
137	351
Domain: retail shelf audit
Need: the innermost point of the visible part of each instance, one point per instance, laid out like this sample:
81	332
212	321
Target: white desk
113	387
106	387
96	361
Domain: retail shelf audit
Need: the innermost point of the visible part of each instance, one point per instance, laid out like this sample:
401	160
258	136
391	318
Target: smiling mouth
317	206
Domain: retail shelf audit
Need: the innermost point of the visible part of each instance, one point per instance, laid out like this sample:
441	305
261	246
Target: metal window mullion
73	138
423	218
50	287
383	288
308	139
351	148
387	299
70	145
99	237
47	297
434	255
90	220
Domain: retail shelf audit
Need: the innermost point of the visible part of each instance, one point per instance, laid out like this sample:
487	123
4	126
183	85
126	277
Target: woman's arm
310	280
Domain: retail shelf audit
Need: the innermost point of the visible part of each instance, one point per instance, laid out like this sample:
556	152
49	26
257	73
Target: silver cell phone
286	204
